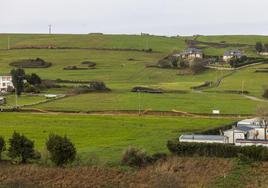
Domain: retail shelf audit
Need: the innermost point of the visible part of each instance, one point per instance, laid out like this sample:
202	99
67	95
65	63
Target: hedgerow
258	153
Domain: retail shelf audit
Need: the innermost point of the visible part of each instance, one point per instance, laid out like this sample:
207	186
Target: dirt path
255	98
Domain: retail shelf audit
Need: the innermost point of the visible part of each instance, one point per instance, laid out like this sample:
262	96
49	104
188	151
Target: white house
232	53
191	53
5	82
246	133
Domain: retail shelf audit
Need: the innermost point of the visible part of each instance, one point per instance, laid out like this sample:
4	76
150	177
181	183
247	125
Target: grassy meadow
121	75
104	137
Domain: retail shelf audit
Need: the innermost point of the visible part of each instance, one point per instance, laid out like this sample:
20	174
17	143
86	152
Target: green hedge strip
258	153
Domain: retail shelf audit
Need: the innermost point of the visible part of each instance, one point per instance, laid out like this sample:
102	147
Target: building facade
5	83
232	53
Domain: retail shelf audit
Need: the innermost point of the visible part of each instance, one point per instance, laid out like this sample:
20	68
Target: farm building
5	83
191	53
246	132
203	138
232	53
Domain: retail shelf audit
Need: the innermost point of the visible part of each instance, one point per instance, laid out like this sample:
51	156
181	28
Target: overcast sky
165	17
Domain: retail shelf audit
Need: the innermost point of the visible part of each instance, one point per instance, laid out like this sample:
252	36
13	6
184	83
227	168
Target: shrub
196	66
135	157
98	86
21	147
265	94
33	79
61	150
2	146
31	88
258	153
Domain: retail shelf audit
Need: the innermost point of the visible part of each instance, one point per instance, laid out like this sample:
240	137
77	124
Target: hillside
121	64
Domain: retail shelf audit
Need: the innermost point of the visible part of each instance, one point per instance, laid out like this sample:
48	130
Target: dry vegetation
175	172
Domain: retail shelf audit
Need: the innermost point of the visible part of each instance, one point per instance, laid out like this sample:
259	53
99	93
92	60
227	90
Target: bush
98	86
33	79
31	88
2	146
196	66
135	157
257	153
265	94
61	150
21	147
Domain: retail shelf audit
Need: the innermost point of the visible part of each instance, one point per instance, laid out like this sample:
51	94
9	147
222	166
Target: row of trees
261	47
22	81
21	148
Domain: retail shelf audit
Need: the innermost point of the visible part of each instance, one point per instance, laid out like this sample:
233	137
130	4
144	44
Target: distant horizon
134	34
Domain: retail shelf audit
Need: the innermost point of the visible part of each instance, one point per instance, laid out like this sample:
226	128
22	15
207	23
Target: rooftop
203	137
233	53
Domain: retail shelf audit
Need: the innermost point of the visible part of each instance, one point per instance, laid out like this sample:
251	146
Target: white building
191	53
247	132
232	53
5	82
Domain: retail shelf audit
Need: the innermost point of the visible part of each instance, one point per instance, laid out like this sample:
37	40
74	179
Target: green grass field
122	75
104	137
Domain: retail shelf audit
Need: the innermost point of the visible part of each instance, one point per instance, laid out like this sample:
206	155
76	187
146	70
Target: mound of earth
31	63
146	90
89	63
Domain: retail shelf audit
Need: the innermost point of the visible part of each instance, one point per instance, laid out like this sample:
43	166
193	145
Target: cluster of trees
235	61
61	150
261	47
25	82
195	65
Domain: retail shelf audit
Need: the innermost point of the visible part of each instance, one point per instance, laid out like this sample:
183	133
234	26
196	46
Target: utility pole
49	29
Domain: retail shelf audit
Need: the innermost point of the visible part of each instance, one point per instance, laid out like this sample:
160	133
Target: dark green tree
18	76
265	47
61	149
33	79
2	146
21	147
259	47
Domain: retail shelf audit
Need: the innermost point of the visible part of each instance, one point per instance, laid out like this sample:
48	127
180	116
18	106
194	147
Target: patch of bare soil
175	172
